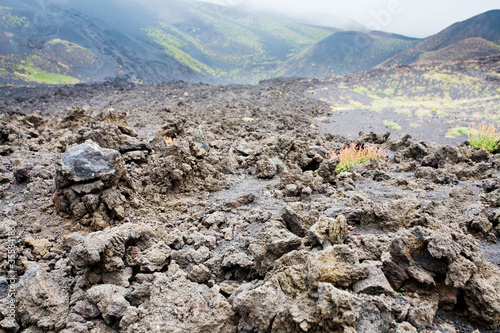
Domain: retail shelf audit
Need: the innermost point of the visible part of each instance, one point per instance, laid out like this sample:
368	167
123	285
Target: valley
69	42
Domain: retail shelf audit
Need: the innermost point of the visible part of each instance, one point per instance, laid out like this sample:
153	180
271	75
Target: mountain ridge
485	26
181	40
345	52
69	41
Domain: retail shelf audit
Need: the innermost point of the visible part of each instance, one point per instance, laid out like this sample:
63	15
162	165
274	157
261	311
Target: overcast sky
415	18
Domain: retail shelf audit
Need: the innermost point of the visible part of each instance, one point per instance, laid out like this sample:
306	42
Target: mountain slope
227	43
485	26
71	41
346	52
466	49
56	44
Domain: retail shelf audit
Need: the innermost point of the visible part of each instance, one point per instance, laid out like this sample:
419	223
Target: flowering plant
484	136
353	155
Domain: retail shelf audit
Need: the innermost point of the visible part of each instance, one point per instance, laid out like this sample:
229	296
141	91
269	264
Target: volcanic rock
88	180
40	301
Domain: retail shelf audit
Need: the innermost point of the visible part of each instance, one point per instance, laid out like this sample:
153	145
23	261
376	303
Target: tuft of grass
352	155
402	111
423	113
392	125
484	136
457	131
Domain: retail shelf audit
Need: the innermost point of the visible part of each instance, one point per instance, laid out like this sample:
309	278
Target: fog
407	17
411	18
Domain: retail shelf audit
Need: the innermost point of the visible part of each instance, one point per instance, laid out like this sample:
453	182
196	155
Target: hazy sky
416	18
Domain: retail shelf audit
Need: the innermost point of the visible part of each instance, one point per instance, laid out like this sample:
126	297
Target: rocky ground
240	224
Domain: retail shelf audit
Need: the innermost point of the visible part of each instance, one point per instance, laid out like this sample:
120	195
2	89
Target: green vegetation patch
68	46
361	90
233	46
12	21
402	111
484	136
37	75
58	62
353	155
392	125
233	33
449	77
173	47
423	113
387	92
299	36
457	131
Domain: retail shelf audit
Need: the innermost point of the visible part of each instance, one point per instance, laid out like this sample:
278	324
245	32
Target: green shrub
392	125
351	155
484	136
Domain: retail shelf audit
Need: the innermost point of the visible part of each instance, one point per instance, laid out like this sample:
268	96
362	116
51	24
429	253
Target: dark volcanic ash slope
346	52
196	208
485	26
350	51
72	41
96	45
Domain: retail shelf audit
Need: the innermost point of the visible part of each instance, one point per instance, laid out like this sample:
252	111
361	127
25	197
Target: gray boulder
438	176
266	168
338	265
456	256
291	299
107	249
297	219
326	170
375	282
483	297
115	137
92	181
272	242
329	231
179	305
199	139
40	301
89	162
110	300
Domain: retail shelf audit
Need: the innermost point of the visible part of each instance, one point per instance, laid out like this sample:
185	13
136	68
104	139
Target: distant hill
47	42
71	41
485	26
466	49
75	41
230	44
346	52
